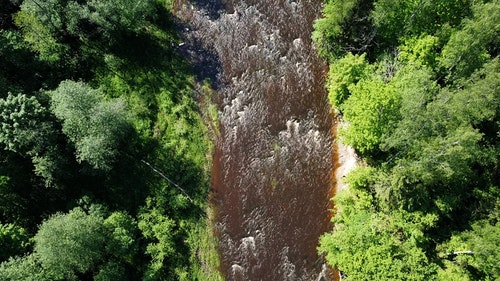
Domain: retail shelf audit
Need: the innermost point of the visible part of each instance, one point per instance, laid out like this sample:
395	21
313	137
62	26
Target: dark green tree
346	26
474	44
475	248
78	37
28	129
14	241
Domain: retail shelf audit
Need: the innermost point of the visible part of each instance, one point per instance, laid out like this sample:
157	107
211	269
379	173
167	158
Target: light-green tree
26	268
158	230
97	128
344	74
67	244
371	112
367	244
124	232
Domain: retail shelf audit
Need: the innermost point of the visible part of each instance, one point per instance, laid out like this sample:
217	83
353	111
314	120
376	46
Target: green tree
20	71
28	129
371	112
445	137
23	129
77	37
67	244
115	16
26	268
40	24
97	128
426	116
417	89
475	43
345	27
368	245
397	20
476	248
111	271
420	51
14	241
124	233
102	43
158	230
345	73
78	245
8	8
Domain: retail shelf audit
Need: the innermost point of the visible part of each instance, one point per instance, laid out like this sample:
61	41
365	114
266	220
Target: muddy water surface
273	171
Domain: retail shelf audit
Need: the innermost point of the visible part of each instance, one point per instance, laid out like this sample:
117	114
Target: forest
417	84
106	137
104	145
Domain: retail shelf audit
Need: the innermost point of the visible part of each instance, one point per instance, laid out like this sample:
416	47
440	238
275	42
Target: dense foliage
418	85
95	104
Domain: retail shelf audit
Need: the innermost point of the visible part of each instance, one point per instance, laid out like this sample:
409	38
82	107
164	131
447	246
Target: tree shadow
212	8
204	60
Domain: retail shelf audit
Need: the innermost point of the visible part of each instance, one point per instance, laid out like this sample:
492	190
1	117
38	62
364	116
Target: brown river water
272	175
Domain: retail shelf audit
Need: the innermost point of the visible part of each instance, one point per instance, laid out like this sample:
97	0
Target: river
272	175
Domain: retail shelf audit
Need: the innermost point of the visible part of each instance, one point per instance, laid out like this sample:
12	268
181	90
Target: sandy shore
347	159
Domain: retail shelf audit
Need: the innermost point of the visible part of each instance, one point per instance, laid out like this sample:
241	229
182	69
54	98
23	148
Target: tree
124	231
368	245
22	120
426	116
345	27
371	112
78	245
345	73
158	229
40	24
20	71
476	248
28	129
67	244
417	89
123	49
114	16
420	51
14	240
474	44
96	128
111	271
79	31
26	268
397	20
8	8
